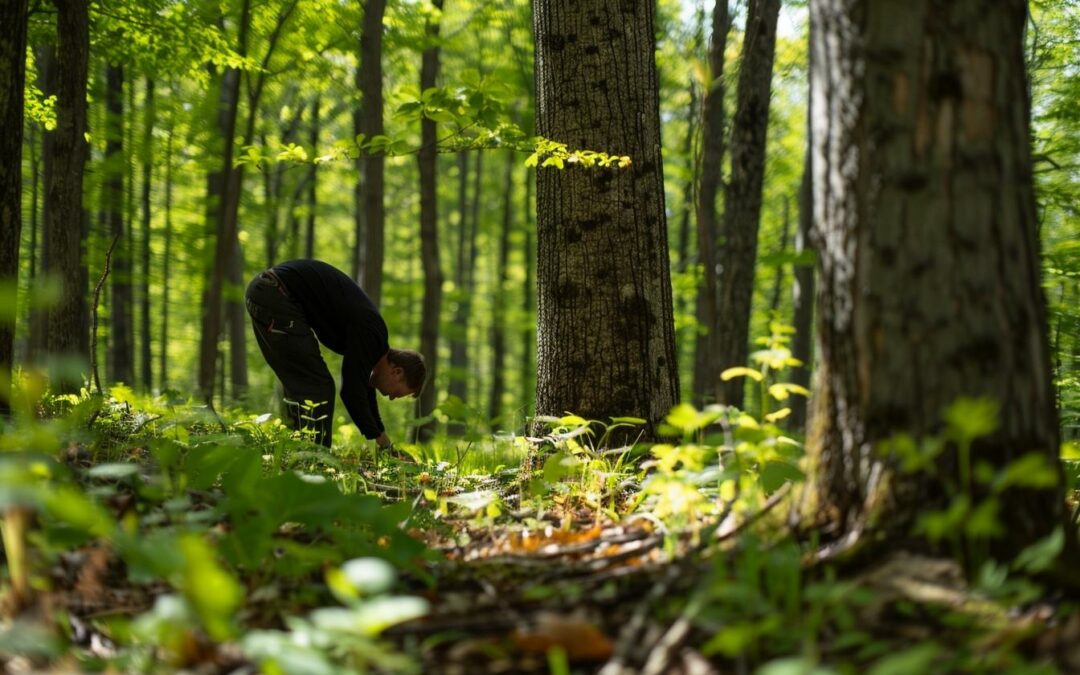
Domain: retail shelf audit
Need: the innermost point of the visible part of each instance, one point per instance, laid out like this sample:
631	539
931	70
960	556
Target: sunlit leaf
741	371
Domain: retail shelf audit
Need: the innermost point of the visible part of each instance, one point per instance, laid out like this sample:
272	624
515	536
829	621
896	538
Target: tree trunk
742	199
121	361
528	302
313	185
66	332
928	260
45	60
606	339
458	331
166	272
429	239
778	278
13	15
706	366
802	297
498	302
372	166
146	357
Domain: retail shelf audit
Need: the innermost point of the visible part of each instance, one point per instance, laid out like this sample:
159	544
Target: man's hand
383	441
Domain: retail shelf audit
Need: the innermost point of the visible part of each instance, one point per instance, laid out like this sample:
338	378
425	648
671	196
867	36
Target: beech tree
605	328
929	270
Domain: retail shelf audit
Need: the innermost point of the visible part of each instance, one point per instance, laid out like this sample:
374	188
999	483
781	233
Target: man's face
393	385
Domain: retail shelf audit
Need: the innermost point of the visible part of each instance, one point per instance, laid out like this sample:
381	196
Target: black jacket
346	321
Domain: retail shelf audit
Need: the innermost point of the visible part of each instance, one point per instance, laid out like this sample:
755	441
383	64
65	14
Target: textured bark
528	302
778	278
13	15
67	330
606	344
706	367
121	353
802	299
372	166
742	198
928	250
146	357
429	235
498	302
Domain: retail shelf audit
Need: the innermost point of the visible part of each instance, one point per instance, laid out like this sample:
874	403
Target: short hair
412	363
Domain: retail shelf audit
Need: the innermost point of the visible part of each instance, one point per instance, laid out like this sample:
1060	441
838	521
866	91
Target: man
298	304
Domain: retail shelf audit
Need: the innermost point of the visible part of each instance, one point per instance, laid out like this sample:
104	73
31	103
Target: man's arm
359	399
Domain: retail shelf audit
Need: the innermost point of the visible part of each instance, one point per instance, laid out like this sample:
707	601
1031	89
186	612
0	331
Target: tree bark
166	271
372	166
45	60
499	301
742	198
929	268
778	278
802	298
67	332
13	15
313	184
458	331
606	339
146	357
429	239
706	367
121	362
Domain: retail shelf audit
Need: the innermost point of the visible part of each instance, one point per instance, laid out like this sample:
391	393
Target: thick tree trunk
742	201
778	278
928	255
13	15
66	331
706	367
429	239
372	166
528	302
146	357
121	354
606	342
498	302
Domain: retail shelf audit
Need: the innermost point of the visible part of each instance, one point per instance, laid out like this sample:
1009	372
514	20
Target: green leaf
971	418
1040	555
113	471
1033	470
369	576
918	659
741	371
775	473
554	161
212	591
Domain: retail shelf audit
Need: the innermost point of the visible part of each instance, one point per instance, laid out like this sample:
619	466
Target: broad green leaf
922	658
1040	555
1033	470
971	418
775	473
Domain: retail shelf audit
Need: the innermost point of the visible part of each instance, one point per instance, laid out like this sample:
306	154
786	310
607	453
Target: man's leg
290	348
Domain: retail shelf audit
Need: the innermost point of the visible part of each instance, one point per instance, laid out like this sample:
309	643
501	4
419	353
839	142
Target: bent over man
298	304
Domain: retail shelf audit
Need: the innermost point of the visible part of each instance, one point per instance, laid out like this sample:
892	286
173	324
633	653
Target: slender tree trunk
237	317
778	278
458	332
606	341
313	185
30	353
13	15
371	125
146	356
528	301
742	202
802	297
66	332
45	59
429	239
499	300
166	271
929	264
121	362
706	366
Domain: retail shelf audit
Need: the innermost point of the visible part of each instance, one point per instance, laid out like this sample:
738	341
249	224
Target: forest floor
162	540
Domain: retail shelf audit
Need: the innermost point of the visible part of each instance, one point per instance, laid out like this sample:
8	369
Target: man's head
401	372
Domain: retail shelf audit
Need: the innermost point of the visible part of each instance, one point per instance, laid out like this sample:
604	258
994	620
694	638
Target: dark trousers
291	349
